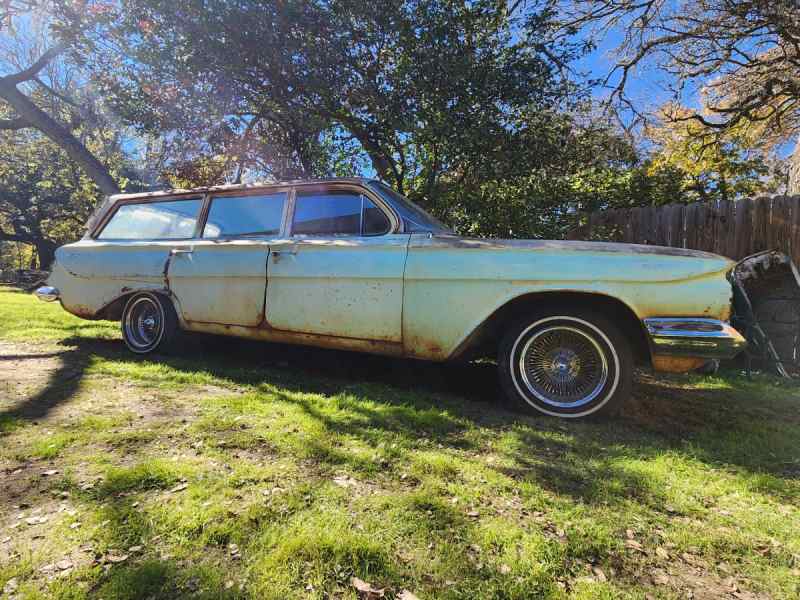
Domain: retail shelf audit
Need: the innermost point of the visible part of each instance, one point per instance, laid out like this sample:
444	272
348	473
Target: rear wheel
568	364
149	323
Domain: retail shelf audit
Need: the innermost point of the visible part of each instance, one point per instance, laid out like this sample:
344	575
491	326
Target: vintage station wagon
351	264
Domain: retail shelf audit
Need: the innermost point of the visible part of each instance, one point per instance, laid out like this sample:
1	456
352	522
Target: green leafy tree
707	166
743	56
460	106
44	199
35	64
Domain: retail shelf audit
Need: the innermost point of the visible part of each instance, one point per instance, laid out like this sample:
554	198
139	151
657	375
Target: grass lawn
245	470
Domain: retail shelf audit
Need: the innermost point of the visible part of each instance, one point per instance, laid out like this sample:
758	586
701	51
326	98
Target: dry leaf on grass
114	557
598	572
345	481
659	577
365	590
11	586
634	545
64	564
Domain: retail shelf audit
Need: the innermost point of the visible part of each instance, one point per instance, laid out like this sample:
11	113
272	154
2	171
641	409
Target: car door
340	271
221	276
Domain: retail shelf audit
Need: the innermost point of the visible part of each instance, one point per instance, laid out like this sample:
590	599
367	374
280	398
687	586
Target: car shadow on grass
720	426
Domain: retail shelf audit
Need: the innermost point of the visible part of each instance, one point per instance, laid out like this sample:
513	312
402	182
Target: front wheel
566	364
149	323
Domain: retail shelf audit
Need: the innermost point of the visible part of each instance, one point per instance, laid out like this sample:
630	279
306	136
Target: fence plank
636	224
730	230
675	218
744	228
691	225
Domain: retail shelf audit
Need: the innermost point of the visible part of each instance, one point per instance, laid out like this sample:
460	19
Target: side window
337	213
245	215
375	220
174	219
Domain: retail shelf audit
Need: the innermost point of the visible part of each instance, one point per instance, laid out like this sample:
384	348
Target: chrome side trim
47	294
694	337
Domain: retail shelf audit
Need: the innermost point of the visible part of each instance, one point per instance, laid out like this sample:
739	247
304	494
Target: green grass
245	470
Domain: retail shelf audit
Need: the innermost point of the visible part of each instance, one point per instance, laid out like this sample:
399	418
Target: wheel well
486	338
113	310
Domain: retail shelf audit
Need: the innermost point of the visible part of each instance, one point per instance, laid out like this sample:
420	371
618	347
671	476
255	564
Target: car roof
238	186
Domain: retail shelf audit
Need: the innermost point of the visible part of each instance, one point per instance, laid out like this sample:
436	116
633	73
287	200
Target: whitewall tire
149	323
569	364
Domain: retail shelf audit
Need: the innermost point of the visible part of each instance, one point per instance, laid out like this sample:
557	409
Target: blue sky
647	86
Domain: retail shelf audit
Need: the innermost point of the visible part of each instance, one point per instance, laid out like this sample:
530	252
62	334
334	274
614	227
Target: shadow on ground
663	414
729	426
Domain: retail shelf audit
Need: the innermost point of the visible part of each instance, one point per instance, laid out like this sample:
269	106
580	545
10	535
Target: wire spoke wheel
144	323
563	366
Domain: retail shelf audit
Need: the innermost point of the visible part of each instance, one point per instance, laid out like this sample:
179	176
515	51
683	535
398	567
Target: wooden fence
733	229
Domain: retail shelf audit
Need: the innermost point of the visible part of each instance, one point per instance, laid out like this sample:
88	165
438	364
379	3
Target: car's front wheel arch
485	339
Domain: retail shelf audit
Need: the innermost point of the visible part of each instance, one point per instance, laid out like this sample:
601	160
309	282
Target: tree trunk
46	252
59	135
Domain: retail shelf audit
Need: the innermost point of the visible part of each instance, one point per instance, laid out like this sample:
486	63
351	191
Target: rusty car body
350	264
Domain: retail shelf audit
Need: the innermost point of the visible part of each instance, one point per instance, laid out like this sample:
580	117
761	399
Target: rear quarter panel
91	274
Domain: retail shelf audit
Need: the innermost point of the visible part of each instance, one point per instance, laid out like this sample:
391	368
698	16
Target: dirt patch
696	580
46	394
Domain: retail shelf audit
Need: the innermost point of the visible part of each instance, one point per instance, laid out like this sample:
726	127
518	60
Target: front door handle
175	251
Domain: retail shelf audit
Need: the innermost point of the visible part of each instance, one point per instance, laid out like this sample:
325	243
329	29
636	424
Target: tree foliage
742	55
32	59
708	166
470	109
460	106
44	198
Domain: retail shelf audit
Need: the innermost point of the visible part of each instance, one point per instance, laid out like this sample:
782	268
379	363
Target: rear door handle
175	251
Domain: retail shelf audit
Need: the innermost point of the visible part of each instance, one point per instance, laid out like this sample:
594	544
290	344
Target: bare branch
32	71
743	54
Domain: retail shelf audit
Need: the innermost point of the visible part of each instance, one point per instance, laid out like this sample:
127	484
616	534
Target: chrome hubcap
143	323
563	366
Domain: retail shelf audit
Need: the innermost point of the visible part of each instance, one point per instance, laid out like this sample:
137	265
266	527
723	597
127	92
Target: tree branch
39	119
33	70
15	123
14	237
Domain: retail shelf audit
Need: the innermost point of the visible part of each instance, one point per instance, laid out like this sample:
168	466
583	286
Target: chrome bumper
694	337
47	293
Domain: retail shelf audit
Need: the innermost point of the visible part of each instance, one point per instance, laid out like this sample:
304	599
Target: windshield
415	219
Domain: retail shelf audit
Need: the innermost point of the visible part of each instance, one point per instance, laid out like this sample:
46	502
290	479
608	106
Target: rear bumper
699	338
47	294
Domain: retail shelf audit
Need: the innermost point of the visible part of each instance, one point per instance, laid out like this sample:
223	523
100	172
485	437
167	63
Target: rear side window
337	213
169	220
245	215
